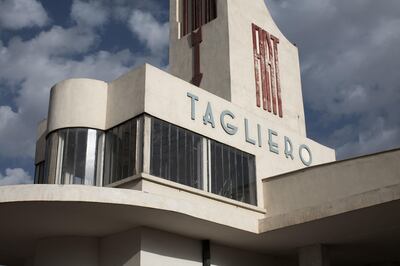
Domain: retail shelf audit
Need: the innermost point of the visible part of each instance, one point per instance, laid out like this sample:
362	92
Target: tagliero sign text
303	151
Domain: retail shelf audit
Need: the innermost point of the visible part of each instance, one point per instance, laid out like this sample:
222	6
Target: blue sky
349	51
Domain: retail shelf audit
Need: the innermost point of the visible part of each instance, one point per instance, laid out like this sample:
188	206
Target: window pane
90	167
239	174
124	152
198	161
120	153
252	180
51	159
80	156
39	173
176	154
218	178
233	173
226	181
68	159
189	158
155	162
73	156
182	156
173	154
165	150
132	148
246	192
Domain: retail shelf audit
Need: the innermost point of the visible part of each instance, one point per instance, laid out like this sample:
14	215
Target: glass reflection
233	173
72	156
176	154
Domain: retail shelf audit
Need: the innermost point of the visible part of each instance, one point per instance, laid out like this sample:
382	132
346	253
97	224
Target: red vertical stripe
261	42
278	80
267	75
273	75
256	65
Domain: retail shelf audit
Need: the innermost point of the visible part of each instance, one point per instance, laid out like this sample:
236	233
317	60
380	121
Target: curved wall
78	103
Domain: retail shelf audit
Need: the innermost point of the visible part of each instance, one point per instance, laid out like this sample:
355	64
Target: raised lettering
273	146
208	117
193	99
305	148
229	128
246	131
288	148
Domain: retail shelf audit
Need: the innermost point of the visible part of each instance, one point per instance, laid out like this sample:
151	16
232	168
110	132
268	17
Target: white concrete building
206	164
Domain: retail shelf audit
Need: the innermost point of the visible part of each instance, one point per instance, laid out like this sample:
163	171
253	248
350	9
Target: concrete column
315	255
146	144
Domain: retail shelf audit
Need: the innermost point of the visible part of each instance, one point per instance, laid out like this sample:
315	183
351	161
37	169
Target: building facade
206	164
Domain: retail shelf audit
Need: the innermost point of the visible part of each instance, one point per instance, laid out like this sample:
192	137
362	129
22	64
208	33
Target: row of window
177	155
92	157
196	13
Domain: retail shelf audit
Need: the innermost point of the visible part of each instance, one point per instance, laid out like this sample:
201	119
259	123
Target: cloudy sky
350	55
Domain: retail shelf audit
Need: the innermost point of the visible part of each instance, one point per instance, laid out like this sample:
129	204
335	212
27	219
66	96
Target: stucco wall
121	249
67	251
162	248
78	103
126	97
322	184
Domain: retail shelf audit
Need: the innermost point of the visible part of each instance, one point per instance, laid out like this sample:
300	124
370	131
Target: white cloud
17	134
90	14
350	55
15	176
150	31
32	67
17	14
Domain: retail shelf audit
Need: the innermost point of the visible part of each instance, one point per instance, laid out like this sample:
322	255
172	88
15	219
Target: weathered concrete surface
339	182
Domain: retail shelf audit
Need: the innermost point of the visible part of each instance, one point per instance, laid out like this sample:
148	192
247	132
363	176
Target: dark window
196	13
233	173
120	152
39	173
176	154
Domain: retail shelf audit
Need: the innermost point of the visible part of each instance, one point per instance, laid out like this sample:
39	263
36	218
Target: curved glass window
75	156
123	152
39	173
